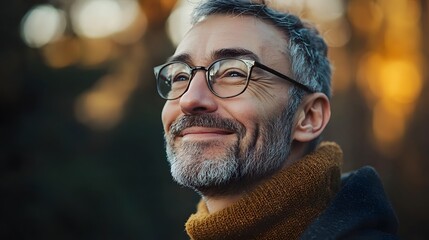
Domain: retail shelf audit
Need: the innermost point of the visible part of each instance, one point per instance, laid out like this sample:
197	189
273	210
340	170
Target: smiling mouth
204	132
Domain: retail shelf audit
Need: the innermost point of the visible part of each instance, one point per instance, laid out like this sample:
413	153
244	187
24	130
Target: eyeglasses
226	78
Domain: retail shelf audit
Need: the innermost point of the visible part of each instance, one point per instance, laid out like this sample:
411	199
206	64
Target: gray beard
240	166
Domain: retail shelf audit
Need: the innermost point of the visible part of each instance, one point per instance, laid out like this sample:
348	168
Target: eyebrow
234	52
218	54
184	57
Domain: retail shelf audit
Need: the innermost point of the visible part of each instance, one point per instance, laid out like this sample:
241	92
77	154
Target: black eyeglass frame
249	63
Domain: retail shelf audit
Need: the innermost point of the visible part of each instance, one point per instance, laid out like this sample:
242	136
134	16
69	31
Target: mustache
206	120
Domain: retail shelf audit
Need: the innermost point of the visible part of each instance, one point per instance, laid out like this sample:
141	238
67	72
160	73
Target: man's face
217	145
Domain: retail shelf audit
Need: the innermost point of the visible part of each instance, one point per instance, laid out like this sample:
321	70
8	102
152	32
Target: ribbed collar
279	208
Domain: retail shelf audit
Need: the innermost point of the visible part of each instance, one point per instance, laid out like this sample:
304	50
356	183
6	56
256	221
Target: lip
204	132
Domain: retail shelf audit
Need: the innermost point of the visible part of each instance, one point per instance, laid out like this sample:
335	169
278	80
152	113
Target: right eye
181	77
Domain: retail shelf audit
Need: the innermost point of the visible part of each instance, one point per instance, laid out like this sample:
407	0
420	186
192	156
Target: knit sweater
281	207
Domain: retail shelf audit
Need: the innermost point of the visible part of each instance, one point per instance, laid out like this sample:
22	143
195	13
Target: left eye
234	74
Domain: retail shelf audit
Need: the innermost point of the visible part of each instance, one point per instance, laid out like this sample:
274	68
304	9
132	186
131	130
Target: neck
215	204
298	151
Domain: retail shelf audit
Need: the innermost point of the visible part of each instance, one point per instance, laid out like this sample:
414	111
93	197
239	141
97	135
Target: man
248	96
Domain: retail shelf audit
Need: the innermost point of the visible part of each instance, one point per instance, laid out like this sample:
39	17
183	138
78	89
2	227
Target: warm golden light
393	86
342	73
102	18
327	10
337	33
102	107
99	109
402	13
388	126
96	51
100	28
365	15
179	21
42	24
62	53
134	32
294	6
400	81
390	74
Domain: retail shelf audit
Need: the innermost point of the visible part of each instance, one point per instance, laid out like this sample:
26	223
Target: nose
198	98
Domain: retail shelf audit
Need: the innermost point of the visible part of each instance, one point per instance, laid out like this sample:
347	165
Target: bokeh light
295	6
388	124
62	53
390	74
42	25
372	12
102	107
179	22
337	33
400	81
325	10
102	18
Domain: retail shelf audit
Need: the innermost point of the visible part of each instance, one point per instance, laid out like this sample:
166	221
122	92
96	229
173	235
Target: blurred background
81	152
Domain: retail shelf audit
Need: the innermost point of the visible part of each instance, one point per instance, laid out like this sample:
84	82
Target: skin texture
263	101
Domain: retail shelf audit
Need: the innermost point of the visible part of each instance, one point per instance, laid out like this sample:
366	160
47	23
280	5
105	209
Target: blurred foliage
60	179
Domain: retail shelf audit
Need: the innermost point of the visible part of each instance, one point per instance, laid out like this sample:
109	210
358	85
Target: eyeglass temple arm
259	65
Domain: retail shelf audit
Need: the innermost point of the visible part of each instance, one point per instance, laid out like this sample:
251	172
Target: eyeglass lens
225	78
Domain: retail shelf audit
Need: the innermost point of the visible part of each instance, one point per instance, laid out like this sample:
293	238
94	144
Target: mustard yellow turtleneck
281	207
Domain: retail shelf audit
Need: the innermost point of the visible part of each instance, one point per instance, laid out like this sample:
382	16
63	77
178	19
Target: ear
312	117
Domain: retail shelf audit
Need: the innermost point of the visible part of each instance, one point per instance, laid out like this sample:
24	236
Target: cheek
269	95
169	114
249	113
256	107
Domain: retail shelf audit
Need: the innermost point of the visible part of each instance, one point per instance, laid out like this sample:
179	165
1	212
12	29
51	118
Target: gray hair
306	49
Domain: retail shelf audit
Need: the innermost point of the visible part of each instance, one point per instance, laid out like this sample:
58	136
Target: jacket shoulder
360	210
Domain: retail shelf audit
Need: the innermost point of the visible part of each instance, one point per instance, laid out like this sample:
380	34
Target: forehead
218	32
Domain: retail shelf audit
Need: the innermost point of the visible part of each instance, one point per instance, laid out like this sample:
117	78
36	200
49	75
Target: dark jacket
360	210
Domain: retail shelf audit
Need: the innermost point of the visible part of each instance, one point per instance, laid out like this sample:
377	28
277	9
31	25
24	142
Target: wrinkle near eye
263	89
